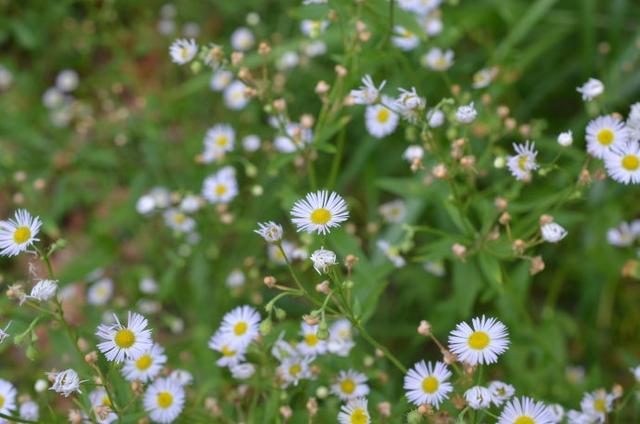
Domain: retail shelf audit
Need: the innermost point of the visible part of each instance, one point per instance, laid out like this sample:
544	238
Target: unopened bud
310	320
237	58
341	71
266	326
501	203
269	281
505	218
322	87
519	245
286	412
537	265
545	219
264	48
384	409
312	406
91	357
424	328
323	287
459	250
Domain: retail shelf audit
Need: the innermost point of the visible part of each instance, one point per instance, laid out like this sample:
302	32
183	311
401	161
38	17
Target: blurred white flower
553	232
65	382
323	259
591	89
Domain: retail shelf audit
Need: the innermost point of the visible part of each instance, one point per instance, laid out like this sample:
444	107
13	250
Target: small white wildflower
553	232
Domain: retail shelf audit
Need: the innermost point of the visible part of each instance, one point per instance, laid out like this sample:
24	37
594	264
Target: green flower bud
266	326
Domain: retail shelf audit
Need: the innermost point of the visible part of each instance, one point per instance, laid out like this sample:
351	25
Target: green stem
17	419
377	345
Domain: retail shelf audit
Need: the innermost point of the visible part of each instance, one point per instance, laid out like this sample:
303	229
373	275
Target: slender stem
17	419
335	165
295	277
376	344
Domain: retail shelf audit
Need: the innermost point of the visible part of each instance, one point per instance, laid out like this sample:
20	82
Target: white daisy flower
65	382
191	203
219	140
480	343
413	153
431	24
591	89
241	326
623	163
478	397
525	411
67	80
354	412
44	290
183	51
293	369
6	78
220	79
633	122
392	253
147	366
484	77
164	400
350	384
53	98
319	211
235	96
597	404
340	340
622	236
121	342
242	371
579	417
322	260
235	278
220	187
315	48
297	137
605	133
231	356
100	292
182	377
438	60
145	204
552	232
179	221
524	161
7	398
289	60
409	104
427	383
251	143
404	39
242	39
500	392
556	412
29	410
269	231
368	93
19	233
276	256
282	349
435	118
313	28
394	211
466	114
3	332
99	400
311	345
380	120
565	139
636	373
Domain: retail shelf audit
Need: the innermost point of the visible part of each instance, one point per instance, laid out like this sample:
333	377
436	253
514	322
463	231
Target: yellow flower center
179	218
348	386
184	53
228	352
359	416
522	162
144	362
630	162
383	116
311	339
221	189
222	141
524	420
320	216
106	401
1	401
22	235
600	405
165	400
479	340
125	338
430	384
240	328
295	369
605	137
